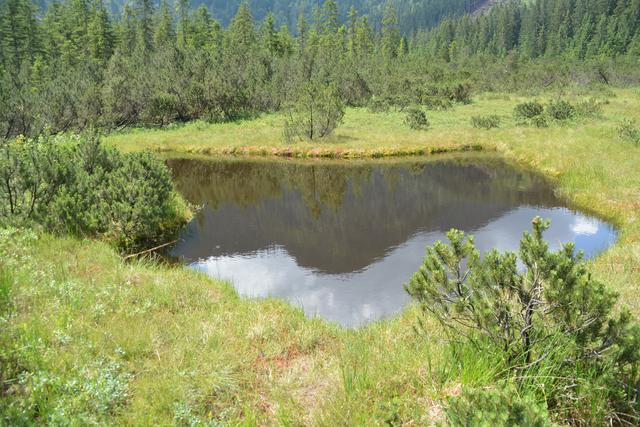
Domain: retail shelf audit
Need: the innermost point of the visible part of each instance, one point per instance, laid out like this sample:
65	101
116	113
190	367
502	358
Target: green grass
88	338
363	134
155	342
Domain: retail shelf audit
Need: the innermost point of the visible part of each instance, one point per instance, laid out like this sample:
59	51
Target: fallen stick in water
146	251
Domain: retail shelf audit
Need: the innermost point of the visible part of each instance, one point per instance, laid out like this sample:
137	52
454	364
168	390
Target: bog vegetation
629	131
317	112
88	339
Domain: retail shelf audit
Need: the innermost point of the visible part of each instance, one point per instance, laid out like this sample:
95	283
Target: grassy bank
362	135
90	338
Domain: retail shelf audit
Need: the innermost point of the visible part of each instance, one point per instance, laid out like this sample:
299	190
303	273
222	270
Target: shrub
485	122
530	114
528	110
540	121
82	188
561	110
590	108
163	109
436	103
379	104
495	408
317	112
442	96
549	321
416	118
289	135
629	131
462	93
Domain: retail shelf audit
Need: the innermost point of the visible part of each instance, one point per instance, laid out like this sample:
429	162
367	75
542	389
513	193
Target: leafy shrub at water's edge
82	188
548	322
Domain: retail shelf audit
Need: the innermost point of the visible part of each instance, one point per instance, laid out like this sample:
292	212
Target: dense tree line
78	64
413	14
578	29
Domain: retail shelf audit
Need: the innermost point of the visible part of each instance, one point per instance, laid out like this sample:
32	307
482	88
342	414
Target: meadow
96	339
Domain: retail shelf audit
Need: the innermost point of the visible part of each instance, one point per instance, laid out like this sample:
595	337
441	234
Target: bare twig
146	251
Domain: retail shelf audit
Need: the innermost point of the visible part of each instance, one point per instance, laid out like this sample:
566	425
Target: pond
340	239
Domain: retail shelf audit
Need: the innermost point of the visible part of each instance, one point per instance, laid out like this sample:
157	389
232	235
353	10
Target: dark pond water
340	240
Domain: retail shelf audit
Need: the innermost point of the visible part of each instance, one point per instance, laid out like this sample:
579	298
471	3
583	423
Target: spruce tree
144	33
390	32
163	35
182	9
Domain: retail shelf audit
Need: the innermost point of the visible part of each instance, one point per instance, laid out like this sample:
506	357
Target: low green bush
461	93
528	110
485	122
436	103
629	131
416	118
540	121
80	187
551	326
495	408
379	104
531	113
561	110
445	95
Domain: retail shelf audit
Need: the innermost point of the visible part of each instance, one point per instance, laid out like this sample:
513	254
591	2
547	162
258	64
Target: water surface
340	239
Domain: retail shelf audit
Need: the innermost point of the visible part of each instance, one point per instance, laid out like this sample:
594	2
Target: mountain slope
555	28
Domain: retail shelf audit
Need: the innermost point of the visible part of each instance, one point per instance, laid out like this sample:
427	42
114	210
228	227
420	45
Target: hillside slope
579	29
